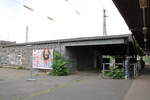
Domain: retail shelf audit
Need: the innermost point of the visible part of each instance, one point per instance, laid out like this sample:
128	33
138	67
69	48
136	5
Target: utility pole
104	23
26	33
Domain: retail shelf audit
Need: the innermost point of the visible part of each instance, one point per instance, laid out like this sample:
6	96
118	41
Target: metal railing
134	65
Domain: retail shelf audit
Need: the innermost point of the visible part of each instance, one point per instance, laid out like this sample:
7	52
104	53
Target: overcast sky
72	18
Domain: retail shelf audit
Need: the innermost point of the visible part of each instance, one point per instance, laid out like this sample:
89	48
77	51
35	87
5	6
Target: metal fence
133	66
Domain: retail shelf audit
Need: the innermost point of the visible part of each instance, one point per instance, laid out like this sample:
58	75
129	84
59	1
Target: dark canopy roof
132	14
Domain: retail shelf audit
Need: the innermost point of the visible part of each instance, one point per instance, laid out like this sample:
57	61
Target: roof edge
71	40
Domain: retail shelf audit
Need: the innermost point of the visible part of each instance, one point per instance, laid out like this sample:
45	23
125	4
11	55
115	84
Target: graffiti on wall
42	58
15	59
3	60
11	59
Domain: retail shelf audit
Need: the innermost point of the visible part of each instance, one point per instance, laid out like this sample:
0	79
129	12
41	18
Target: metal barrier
134	65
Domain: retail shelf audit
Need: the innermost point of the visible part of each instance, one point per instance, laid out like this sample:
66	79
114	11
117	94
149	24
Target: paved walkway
140	88
82	86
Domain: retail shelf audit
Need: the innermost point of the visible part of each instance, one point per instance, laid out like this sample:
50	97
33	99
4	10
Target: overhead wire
33	10
99	1
80	15
68	1
77	12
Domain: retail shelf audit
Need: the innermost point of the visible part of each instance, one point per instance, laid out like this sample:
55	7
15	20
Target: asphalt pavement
79	86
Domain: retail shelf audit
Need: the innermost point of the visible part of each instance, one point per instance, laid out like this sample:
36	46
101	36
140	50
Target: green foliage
110	57
59	65
147	59
19	67
116	73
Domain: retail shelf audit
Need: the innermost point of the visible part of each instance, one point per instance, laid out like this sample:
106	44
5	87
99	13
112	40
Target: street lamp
31	69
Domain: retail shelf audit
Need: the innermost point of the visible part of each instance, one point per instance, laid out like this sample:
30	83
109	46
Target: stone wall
6	43
21	55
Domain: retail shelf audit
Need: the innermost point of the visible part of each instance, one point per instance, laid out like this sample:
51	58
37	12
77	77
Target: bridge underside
134	16
88	55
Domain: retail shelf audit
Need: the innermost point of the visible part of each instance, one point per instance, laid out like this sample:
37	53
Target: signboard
42	58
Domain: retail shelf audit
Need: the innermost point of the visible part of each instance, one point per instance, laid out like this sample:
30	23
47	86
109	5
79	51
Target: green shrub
116	73
19	67
59	65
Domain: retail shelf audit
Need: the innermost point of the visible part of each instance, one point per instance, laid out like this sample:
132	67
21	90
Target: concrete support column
127	62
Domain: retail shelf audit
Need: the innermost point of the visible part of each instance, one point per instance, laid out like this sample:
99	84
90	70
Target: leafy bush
19	67
116	73
59	65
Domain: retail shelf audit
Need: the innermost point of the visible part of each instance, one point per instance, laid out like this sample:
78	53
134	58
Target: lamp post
30	64
31	9
31	69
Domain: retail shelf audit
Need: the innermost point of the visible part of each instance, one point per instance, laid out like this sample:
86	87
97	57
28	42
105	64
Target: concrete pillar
127	65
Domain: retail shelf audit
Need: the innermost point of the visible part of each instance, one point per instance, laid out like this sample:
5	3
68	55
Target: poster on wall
42	58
